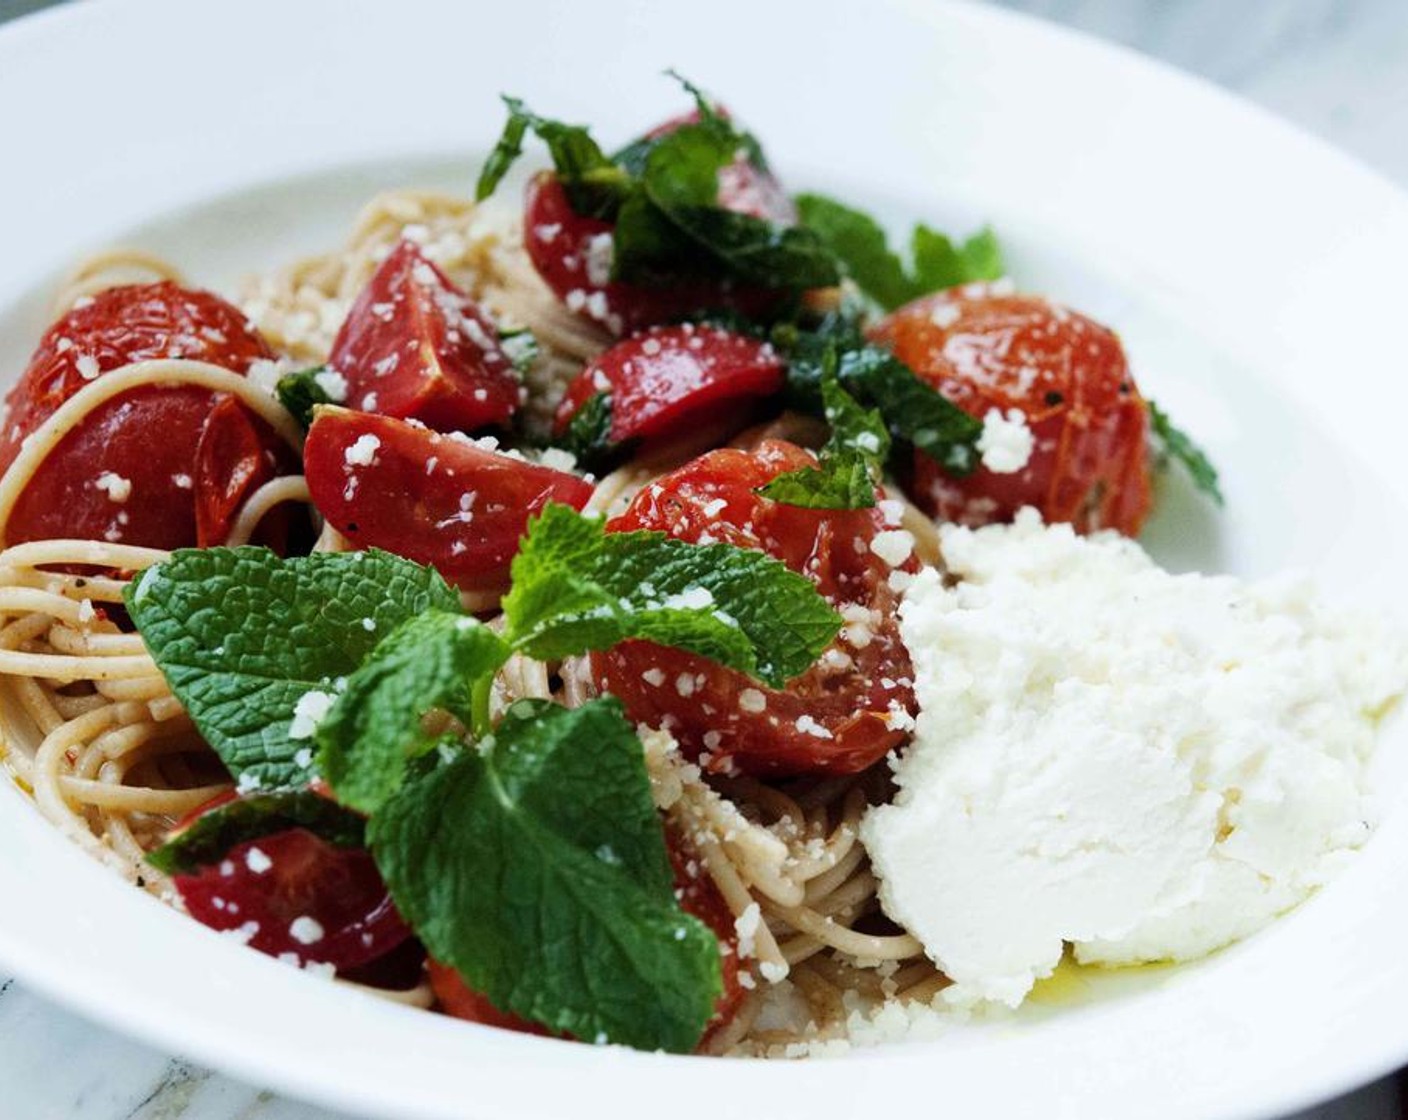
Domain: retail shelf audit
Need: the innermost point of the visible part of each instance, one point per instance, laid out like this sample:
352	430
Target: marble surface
1337	67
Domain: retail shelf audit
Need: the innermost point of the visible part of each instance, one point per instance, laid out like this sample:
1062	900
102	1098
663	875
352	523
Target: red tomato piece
668	379
415	347
432	498
293	893
573	255
699	896
845	712
237	453
127	472
1067	374
458	999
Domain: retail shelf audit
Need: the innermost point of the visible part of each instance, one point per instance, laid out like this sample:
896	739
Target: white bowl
1252	272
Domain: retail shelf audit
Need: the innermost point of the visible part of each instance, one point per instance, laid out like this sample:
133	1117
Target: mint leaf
912	410
300	392
242	635
939	263
851	462
588	434
262	814
577	587
862	247
593	183
681	180
859	241
1171	444
537	868
375	725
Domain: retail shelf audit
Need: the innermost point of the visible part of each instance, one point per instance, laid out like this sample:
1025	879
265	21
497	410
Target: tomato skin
408	498
1065	372
699	896
237	453
264	886
147	436
667	379
415	347
853	704
564	249
458	999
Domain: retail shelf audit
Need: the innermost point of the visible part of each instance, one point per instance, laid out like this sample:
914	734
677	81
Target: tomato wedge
127	473
415	347
237	453
1065	373
840	716
667	379
291	894
436	499
458	999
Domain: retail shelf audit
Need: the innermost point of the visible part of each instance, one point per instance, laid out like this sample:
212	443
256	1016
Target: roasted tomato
841	715
127	472
417	348
291	893
237	453
1065	373
698	896
460	1000
667	379
436	499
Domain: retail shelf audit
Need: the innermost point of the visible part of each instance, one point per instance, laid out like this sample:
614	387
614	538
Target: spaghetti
91	728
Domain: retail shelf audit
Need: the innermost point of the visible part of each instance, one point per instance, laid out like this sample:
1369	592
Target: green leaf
375	726
864	251
215	832
680	179
593	183
537	868
242	636
577	587
588	434
913	411
860	243
939	263
301	391
851	462
1171	445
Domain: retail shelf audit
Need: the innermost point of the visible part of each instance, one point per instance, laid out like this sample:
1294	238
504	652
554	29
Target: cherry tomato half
238	452
126	473
435	499
291	893
667	379
1066	374
853	705
415	347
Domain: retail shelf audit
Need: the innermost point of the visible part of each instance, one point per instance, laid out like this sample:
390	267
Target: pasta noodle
90	727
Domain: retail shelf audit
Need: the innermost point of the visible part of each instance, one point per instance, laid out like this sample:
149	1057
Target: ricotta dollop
1147	766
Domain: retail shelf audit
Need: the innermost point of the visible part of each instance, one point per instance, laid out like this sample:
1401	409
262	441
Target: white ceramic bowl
1252	272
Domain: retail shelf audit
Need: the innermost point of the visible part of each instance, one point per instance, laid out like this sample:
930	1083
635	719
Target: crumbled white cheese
257	861
362	453
892	546
601	252
310	710
332	383
264	374
87	366
117	488
306	930
1006	443
1149	766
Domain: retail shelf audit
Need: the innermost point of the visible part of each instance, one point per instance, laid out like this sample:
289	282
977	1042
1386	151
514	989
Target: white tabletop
1337	67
